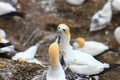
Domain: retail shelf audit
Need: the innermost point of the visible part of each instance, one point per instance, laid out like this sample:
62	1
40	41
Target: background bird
116	5
8	11
6	46
28	55
101	18
55	71
91	47
117	34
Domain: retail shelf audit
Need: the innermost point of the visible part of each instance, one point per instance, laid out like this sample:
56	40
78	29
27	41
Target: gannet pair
55	71
101	18
7	11
29	54
91	47
77	61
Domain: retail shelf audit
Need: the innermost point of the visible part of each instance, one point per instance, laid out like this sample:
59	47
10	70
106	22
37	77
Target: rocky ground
42	18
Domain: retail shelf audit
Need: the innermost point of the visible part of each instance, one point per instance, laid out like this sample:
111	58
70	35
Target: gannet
101	18
55	71
6	46
7	11
28	55
91	47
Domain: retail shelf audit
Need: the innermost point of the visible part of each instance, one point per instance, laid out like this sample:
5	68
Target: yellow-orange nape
64	26
20	59
0	38
80	41
54	54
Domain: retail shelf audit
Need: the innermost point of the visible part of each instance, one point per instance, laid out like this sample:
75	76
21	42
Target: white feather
2	33
6	8
116	4
28	54
117	34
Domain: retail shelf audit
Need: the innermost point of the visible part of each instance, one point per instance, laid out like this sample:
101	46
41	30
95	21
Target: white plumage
102	18
91	47
116	5
6	8
55	71
12	2
75	2
2	33
117	34
77	61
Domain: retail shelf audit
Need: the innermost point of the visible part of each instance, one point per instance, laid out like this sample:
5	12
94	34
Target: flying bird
91	47
55	71
8	11
101	18
77	61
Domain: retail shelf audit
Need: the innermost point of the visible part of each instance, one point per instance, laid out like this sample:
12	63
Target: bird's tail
110	49
113	49
20	14
11	14
111	67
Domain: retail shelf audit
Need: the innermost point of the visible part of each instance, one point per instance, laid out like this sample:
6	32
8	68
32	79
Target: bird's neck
65	40
54	66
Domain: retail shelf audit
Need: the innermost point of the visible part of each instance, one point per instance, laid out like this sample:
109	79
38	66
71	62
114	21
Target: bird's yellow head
20	59
54	54
80	41
63	28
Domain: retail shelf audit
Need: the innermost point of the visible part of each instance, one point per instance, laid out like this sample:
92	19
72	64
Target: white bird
101	18
75	2
77	61
117	34
7	11
91	47
28	55
7	46
116	5
3	33
55	71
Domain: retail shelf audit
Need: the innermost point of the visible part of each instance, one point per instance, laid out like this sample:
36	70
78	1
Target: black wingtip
12	14
112	66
